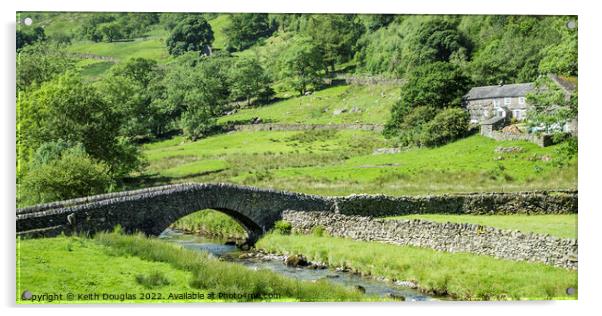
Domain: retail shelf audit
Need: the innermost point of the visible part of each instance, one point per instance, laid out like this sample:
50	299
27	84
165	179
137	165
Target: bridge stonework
152	210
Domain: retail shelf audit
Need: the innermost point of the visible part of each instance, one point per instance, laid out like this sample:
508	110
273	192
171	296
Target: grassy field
152	48
243	157
362	104
211	223
463	276
116	264
564	226
341	163
217	26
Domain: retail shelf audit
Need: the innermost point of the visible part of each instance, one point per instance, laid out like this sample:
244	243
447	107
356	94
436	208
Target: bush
153	280
74	174
319	231
447	126
412	124
283	227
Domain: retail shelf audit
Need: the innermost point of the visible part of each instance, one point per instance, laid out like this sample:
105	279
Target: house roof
499	91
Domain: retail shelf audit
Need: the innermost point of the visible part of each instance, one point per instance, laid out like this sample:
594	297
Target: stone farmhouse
493	107
505	100
484	103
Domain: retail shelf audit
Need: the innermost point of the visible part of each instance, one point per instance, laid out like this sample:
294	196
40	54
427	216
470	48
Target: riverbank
211	223
113	268
459	275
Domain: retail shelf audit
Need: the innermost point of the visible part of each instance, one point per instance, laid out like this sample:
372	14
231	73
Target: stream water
231	253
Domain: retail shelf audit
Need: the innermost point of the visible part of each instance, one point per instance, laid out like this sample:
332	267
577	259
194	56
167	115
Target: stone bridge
152	210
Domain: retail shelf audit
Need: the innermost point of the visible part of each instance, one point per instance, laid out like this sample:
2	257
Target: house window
521	100
500	112
519	114
496	102
507	101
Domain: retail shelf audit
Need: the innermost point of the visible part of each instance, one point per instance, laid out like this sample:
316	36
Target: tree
552	107
245	29
434	40
249	80
191	34
130	89
90	27
561	59
111	31
39	63
29	36
300	65
70	174
196	90
70	109
438	84
448	125
335	35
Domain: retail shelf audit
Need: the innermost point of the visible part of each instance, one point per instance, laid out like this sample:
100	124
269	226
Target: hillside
339	104
340	163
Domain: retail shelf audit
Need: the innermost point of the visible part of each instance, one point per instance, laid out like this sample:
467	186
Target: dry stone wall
154	209
450	237
307	127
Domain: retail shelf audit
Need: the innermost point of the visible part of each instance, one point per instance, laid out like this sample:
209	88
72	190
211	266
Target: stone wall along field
450	237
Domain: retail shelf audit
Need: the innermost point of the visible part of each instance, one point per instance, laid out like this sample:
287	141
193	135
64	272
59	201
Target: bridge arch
153	210
252	229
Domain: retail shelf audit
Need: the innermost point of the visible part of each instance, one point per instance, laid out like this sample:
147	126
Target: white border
589	158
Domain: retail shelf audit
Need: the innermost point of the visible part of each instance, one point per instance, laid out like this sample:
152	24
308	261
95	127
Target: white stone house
505	101
509	101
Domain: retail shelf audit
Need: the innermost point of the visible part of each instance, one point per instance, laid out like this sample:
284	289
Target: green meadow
151	270
558	225
459	275
342	162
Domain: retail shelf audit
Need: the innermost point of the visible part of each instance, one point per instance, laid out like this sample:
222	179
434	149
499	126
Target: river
231	253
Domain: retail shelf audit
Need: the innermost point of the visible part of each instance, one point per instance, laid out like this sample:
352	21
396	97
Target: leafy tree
196	90
89	29
434	40
131	89
561	59
335	35
169	20
110	27
26	36
191	34
249	80
448	125
111	31
380	52
72	173
438	84
245	29
510	48
410	128
300	65
39	63
373	22
552	107
70	109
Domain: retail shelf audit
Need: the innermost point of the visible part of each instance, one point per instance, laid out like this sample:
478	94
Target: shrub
412	124
319	231
153	280
447	126
74	174
283	227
